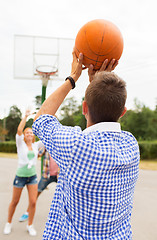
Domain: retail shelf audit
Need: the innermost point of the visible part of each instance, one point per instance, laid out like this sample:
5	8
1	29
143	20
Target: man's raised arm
53	102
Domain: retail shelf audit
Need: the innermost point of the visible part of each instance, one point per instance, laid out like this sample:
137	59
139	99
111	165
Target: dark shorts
44	182
20	182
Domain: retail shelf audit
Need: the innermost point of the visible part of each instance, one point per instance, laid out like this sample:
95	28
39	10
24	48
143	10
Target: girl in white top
27	150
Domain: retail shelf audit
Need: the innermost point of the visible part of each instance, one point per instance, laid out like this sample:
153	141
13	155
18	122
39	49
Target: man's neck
89	123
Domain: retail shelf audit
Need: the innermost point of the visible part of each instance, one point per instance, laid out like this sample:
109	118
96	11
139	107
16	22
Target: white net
32	51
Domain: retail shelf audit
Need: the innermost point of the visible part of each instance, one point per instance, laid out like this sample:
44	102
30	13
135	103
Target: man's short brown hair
105	97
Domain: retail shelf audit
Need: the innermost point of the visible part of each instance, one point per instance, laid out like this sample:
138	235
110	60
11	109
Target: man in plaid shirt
98	166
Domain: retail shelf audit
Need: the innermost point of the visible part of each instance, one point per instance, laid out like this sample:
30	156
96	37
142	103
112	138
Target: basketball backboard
31	52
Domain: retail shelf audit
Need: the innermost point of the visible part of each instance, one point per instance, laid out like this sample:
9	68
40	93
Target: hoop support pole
43	97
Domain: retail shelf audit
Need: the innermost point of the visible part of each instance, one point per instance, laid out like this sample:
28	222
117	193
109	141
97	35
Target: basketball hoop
45	72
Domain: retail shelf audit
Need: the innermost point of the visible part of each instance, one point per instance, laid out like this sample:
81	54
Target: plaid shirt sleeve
59	140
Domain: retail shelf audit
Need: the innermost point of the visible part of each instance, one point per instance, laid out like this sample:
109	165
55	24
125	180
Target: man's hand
53	102
108	67
76	66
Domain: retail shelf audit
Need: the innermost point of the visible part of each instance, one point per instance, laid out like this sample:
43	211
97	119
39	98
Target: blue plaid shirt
98	171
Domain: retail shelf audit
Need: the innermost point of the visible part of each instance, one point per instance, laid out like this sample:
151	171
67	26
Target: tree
71	114
79	118
67	111
29	123
38	102
12	122
3	133
141	122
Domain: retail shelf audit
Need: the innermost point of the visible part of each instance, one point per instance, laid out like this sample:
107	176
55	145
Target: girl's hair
33	140
105	97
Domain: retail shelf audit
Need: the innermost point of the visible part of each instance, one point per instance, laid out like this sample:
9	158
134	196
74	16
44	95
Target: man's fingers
74	55
115	64
110	65
80	58
104	65
90	69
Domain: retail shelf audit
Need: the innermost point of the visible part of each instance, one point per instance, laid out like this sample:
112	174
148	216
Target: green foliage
68	107
148	149
9	147
141	122
12	122
15	112
79	118
71	114
38	102
29	123
3	130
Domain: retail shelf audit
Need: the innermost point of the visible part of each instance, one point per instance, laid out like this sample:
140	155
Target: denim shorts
44	182
20	182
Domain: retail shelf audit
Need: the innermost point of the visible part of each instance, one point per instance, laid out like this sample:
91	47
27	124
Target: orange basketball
99	40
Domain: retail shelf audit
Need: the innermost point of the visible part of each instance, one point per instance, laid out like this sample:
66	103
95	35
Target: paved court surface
144	216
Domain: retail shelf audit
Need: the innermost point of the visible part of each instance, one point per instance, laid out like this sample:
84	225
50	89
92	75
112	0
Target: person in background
49	175
27	150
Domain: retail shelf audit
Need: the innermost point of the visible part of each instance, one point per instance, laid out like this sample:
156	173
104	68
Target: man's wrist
74	77
72	81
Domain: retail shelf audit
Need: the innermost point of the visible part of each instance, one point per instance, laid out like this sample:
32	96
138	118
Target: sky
136	20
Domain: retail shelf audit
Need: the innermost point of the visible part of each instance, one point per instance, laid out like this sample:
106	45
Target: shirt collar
104	127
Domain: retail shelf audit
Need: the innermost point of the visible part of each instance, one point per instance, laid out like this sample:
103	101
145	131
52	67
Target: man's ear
84	108
124	111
